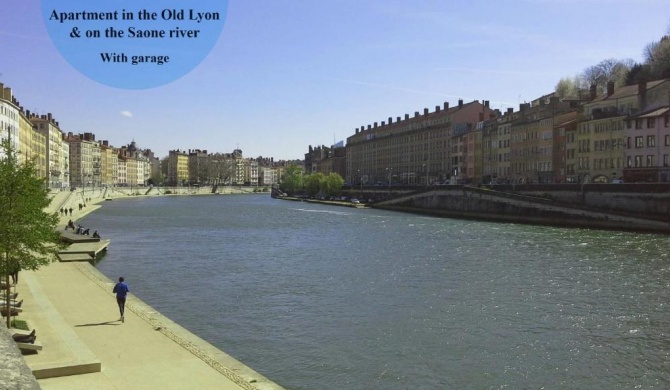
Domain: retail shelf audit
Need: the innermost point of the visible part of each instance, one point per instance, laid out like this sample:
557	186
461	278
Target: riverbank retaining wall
590	207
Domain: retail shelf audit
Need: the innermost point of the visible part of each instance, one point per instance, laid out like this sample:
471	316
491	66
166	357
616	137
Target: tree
28	238
565	88
637	74
292	179
332	184
657	57
313	183
620	70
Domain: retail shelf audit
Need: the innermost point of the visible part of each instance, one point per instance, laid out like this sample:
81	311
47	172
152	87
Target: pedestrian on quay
16	267
121	290
70	211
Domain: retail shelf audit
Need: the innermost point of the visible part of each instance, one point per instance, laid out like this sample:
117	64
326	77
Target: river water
326	297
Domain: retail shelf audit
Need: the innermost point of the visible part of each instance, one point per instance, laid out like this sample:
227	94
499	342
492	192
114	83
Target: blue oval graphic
134	44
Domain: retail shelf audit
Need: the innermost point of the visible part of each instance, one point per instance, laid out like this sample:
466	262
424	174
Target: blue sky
286	74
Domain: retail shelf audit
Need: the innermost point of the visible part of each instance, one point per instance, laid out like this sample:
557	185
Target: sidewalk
76	318
72	309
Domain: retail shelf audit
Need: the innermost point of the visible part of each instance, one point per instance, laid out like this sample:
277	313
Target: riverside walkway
75	315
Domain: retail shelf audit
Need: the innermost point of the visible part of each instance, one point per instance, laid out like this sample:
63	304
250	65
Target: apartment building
417	150
267	176
9	119
612	136
109	164
496	141
565	126
84	160
122	172
532	141
53	135
325	160
648	147
177	168
38	152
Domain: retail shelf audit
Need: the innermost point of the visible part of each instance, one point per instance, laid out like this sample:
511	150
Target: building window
638	124
651	160
639	142
638	161
651	140
666	160
651	123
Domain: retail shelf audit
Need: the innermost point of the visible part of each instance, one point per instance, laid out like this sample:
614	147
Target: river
325	297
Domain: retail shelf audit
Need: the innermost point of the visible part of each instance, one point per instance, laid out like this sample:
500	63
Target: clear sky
286	74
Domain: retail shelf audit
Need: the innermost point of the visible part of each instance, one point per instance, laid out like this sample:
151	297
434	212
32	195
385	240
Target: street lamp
426	170
390	170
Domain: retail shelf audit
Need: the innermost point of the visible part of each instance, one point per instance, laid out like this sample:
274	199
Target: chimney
356	131
610	88
642	94
593	92
510	110
416	113
437	108
375	124
383	123
642	88
406	116
425	111
390	120
49	117
7	94
398	119
460	103
486	103
369	127
446	106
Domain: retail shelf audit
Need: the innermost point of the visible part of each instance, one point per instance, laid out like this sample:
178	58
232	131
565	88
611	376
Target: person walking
121	290
15	273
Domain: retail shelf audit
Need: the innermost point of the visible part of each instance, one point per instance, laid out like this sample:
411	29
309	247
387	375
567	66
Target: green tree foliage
332	184
291	180
657	57
28	238
313	183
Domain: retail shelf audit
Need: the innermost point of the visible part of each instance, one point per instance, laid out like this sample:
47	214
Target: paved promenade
75	315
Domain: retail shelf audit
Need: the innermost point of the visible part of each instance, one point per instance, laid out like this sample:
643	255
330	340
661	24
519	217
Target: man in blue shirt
121	290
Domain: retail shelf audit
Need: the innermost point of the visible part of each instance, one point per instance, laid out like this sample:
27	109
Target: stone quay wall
615	207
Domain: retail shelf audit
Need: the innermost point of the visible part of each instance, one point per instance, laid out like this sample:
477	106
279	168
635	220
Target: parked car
617	181
354	200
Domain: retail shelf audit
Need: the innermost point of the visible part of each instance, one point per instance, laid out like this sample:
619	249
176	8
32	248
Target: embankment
571	210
